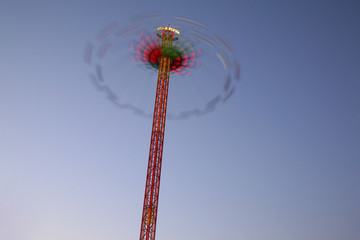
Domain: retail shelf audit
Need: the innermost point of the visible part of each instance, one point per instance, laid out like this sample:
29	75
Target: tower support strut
152	186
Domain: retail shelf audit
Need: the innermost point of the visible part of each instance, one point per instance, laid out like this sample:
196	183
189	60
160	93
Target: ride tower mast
152	186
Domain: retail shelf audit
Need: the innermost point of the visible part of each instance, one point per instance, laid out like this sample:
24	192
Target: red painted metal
151	198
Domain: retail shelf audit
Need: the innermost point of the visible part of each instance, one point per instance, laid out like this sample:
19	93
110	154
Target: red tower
151	198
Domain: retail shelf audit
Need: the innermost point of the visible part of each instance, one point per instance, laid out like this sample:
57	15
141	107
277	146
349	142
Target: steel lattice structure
161	54
151	198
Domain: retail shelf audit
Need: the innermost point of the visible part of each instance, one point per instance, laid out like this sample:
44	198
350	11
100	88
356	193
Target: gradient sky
280	160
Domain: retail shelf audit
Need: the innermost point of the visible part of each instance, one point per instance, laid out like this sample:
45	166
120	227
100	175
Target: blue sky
278	160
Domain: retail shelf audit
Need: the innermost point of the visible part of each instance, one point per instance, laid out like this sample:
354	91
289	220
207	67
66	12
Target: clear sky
279	160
